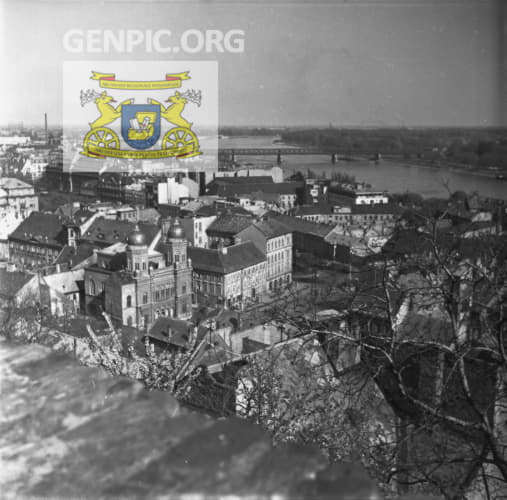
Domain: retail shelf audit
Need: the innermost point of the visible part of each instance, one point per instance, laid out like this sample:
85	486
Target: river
395	177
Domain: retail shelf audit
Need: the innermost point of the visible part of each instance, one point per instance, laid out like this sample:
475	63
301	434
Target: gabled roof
42	228
166	210
271	228
13	183
262	196
12	282
376	208
64	282
192	206
227	260
230	224
76	214
246	185
172	331
150	215
315	209
214	209
104	232
295	224
74	256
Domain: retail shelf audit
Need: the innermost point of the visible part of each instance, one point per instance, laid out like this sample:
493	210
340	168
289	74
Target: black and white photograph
253	249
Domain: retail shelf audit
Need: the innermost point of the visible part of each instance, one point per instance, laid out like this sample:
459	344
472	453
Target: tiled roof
43	228
295	224
64	282
228	260
271	228
150	215
248	187
262	196
209	210
172	331
377	208
169	210
74	256
11	282
314	209
77	214
230	224
104	232
192	206
13	183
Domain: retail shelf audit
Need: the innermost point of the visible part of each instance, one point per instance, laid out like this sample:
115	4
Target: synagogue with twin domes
154	280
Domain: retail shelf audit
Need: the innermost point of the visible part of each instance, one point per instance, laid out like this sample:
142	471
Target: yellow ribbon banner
97	151
108	81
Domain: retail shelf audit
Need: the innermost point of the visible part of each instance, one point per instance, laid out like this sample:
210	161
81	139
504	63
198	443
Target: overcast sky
355	63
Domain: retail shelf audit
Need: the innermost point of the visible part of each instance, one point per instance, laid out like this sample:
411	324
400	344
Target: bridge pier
233	157
334	158
279	157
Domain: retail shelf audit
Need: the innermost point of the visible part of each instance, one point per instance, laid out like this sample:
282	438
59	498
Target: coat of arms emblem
144	125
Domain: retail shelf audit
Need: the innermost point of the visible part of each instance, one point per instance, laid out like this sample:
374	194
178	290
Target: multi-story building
195	228
136	283
276	173
236	187
222	231
384	214
17	197
35	166
38	240
339	195
274	239
229	276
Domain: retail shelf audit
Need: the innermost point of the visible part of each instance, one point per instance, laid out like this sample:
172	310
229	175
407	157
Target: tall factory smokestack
46	127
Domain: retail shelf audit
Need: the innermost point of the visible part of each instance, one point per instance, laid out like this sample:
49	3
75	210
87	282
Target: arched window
145	298
92	287
129	301
129	321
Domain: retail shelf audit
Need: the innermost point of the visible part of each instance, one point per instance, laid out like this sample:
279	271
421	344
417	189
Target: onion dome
176	230
136	237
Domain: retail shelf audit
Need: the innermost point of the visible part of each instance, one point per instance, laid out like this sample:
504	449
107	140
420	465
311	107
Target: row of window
33	249
279	256
280	242
158	295
211	288
278	268
349	218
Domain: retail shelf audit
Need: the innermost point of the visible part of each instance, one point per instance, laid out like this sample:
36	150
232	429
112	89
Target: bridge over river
229	155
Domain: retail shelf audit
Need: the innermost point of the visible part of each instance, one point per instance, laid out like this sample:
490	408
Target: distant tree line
477	147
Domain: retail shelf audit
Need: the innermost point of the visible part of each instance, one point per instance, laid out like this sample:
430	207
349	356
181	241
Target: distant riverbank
395	175
451	167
